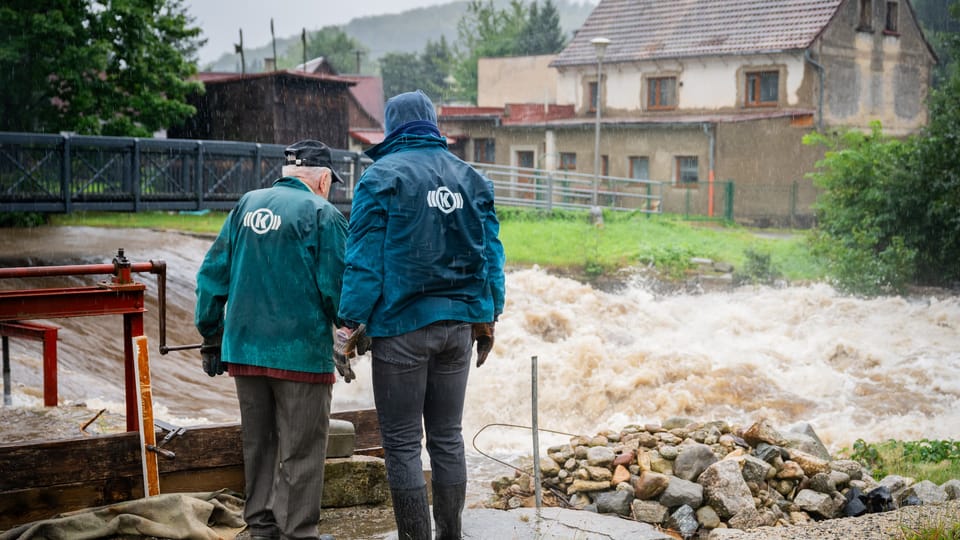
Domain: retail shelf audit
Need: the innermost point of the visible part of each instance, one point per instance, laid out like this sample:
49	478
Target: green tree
485	31
401	72
116	68
860	229
942	27
330	42
541	33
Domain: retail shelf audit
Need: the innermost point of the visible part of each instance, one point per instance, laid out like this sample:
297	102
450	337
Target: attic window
892	16
866	16
763	89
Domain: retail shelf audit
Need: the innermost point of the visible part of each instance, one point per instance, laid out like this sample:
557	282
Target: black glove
210	355
483	335
344	348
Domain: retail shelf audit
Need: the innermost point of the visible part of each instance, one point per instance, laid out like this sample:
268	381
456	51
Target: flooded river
852	368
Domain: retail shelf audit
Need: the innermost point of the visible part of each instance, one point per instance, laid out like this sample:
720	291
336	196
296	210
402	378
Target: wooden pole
148	434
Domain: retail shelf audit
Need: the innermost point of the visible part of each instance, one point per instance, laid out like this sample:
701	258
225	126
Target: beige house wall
522	79
874	75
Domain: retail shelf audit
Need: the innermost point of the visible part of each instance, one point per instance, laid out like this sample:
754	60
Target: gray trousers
419	381
285	428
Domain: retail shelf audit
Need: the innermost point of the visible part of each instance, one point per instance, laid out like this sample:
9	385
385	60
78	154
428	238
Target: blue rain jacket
423	240
271	280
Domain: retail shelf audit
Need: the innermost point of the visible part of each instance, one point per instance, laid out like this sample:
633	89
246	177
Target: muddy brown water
852	368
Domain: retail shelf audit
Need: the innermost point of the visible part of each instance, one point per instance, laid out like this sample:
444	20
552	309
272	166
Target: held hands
348	344
483	335
210	355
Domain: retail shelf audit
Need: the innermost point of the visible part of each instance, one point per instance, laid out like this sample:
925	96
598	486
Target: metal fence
538	188
61	173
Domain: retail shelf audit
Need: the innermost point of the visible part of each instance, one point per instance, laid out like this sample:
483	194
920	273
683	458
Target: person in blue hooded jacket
424	274
270	286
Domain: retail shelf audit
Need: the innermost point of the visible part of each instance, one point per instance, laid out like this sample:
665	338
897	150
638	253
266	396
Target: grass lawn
566	240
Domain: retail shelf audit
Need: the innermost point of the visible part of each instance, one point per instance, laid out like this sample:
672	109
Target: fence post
550	191
135	174
793	203
66	176
257	170
729	202
198	172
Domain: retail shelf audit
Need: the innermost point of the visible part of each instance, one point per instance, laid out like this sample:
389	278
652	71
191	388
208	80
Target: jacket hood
409	121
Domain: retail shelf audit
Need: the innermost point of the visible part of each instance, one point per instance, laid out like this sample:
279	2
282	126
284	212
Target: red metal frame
120	296
47	336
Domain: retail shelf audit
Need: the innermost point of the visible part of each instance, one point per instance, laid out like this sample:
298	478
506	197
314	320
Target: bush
22	219
758	269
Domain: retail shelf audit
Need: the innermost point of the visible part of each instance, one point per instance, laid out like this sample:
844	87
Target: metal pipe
536	435
596	134
71	270
6	371
820	69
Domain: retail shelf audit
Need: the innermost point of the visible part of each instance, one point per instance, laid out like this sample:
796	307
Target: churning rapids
852	368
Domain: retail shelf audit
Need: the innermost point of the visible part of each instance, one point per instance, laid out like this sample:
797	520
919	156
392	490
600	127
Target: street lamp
600	46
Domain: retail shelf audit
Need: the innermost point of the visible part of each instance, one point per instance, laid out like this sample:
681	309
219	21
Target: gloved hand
344	348
210	355
483	335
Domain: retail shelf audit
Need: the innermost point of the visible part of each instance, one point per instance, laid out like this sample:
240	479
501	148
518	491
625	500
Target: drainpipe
711	131
808	58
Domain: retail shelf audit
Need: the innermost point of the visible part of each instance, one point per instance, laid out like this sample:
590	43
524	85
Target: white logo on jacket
261	220
444	199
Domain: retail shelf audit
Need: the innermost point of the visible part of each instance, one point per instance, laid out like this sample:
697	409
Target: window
604	162
866	15
763	88
593	96
687	170
662	93
484	150
891	26
568	161
640	167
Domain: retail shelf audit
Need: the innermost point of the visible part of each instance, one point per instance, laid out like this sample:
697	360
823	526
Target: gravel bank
895	524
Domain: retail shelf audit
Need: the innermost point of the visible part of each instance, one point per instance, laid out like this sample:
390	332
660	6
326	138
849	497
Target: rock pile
695	477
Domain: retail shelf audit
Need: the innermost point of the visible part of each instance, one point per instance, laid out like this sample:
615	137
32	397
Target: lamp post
600	46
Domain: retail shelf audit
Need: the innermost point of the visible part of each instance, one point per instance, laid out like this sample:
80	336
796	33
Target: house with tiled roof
704	94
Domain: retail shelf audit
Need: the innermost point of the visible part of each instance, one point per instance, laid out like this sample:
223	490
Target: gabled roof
368	93
658	29
214	77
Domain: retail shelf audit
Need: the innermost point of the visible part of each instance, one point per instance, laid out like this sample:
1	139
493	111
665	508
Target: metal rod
6	371
536	435
71	270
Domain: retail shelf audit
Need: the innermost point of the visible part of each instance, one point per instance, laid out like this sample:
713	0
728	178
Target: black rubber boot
412	513
447	510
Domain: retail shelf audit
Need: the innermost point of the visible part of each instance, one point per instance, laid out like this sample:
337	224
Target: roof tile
657	29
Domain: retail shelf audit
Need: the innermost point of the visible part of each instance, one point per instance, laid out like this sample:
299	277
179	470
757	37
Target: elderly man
270	286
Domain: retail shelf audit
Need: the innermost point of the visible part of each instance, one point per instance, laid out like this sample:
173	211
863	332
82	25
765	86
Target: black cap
310	153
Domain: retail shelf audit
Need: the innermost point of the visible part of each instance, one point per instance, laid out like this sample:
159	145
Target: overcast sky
221	20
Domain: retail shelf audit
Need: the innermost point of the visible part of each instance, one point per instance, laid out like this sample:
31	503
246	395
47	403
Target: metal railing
538	188
66	173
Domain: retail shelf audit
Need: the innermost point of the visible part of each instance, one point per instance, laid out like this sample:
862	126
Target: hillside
406	32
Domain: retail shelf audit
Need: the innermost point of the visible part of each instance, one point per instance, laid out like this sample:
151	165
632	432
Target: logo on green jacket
261	221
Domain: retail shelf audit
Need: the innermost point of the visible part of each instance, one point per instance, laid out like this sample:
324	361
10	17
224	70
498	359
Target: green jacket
271	280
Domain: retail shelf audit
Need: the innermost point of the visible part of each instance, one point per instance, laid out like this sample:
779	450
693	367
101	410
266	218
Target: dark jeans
419	380
284	427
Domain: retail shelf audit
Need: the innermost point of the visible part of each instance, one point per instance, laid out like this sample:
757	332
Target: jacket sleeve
332	235
213	283
494	254
363	277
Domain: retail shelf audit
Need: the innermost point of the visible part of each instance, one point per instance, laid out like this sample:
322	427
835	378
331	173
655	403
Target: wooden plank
39	480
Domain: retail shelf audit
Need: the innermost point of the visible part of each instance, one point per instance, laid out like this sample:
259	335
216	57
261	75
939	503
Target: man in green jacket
270	287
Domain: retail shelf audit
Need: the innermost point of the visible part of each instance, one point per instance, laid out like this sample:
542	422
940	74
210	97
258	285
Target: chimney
269	64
